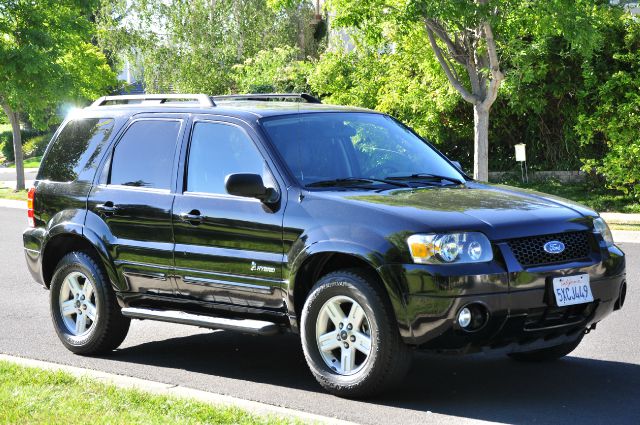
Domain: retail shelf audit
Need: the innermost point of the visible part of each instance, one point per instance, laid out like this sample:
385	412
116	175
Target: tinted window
218	150
144	155
76	150
326	146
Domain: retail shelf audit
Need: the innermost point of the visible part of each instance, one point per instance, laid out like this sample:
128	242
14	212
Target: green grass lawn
7	193
35	396
30	162
600	199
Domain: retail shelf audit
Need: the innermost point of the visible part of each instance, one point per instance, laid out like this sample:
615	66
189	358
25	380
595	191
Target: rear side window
144	155
74	154
218	150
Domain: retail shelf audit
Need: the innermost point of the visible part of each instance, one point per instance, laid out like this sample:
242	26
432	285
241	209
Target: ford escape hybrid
272	213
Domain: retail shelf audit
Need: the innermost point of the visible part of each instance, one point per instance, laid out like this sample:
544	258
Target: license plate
572	290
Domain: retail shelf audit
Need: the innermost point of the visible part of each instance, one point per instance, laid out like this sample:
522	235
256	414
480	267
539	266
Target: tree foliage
272	71
612	124
472	40
193	45
46	56
550	100
406	83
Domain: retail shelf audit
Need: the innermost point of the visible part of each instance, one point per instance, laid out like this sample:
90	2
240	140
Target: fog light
464	317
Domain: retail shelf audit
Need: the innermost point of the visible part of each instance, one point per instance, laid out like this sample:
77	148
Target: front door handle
194	218
107	208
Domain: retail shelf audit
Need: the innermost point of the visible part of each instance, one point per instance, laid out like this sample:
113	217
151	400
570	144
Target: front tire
547	354
350	336
84	310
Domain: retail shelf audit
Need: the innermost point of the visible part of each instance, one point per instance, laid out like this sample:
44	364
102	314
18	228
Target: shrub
277	70
569	108
35	146
29	145
615	120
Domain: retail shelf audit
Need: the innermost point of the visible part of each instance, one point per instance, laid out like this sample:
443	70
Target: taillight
30	197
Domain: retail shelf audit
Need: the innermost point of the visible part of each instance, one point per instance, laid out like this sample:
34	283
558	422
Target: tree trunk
17	144
480	143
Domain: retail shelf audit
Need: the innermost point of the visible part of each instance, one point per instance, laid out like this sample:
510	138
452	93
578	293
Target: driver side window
217	150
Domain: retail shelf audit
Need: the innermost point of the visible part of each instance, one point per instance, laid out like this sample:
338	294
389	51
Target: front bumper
522	314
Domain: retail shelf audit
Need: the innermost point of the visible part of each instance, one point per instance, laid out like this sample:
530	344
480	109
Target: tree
272	71
468	39
614	117
193	45
406	83
45	58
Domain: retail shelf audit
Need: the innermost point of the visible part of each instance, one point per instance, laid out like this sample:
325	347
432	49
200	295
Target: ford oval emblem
554	247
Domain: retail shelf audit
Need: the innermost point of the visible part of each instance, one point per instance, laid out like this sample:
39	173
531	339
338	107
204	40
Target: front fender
373	258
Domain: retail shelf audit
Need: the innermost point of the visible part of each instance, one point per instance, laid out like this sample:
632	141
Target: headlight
446	248
600	226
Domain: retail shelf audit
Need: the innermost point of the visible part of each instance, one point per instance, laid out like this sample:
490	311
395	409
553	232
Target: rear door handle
194	218
107	208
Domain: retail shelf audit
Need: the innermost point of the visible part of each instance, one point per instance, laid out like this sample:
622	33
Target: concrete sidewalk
621	218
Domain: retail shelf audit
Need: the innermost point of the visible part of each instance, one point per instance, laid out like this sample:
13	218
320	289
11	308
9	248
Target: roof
249	108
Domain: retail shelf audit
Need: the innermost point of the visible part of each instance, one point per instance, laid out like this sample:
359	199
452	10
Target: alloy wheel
343	335
78	304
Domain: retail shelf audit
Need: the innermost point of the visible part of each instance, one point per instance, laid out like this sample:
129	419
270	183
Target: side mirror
457	165
250	186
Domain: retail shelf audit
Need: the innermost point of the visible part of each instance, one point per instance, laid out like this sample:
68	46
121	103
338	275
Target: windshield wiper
341	181
426	176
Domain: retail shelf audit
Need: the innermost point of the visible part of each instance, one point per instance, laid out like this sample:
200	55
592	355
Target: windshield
352	147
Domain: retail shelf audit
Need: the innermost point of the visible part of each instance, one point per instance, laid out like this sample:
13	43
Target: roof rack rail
203	99
268	96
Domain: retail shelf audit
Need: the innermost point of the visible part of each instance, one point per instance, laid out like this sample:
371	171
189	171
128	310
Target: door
228	248
133	204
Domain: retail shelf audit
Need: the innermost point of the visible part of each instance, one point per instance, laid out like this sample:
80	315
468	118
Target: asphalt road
599	383
9	174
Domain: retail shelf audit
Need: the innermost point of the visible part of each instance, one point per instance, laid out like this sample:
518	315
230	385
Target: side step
256	327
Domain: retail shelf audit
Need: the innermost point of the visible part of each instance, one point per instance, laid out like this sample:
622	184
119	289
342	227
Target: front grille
530	252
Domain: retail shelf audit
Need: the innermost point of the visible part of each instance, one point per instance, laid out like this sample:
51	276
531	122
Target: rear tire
547	354
84	309
363	353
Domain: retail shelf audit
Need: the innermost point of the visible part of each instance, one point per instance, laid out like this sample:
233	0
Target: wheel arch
66	239
322	259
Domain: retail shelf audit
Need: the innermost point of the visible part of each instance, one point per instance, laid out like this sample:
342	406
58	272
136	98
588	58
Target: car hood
501	212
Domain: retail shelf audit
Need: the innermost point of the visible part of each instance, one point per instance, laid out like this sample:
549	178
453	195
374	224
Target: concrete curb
160	388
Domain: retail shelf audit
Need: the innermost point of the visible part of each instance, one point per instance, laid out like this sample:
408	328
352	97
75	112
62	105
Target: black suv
272	213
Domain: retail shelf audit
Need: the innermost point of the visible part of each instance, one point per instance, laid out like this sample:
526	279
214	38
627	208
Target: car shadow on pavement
484	387
495	388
